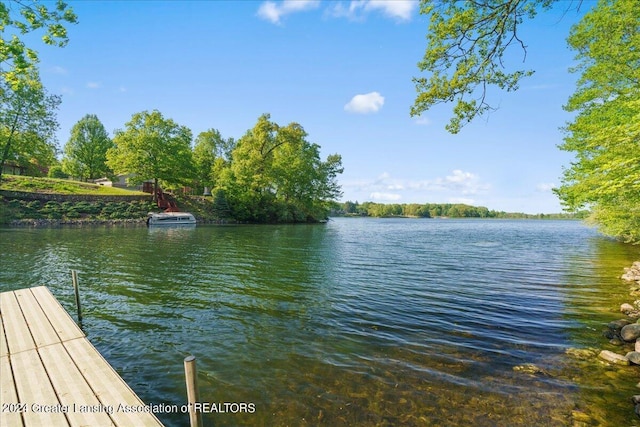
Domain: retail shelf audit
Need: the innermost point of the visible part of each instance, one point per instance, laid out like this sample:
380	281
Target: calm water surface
354	322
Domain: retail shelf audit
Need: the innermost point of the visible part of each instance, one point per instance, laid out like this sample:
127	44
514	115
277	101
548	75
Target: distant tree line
435	210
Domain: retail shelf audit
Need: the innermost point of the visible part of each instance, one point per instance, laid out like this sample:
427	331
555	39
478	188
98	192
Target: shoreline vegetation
31	201
438	210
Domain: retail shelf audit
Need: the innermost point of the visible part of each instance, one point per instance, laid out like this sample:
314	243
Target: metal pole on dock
193	395
74	279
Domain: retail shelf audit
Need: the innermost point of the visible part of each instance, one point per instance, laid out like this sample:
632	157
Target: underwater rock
621	323
582	353
612	357
632	274
631	332
530	368
633	357
627	308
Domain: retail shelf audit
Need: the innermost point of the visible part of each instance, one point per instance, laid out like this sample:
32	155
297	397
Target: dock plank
63	324
107	384
35	390
17	331
47	363
72	389
41	330
4	349
8	395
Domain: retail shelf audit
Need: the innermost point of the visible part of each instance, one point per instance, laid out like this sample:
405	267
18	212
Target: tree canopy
275	174
27	122
211	153
152	148
469	50
18	18
605	134
86	150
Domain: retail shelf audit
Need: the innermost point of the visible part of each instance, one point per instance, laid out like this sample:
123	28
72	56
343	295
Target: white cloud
423	121
366	103
545	186
94	85
456	187
460	176
465	182
378	196
273	12
401	10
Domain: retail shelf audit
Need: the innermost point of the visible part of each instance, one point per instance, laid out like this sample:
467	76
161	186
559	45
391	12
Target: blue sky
343	70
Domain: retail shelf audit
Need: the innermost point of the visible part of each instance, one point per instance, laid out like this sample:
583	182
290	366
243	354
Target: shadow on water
355	322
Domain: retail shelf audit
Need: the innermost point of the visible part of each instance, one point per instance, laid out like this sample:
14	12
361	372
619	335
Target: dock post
74	279
193	395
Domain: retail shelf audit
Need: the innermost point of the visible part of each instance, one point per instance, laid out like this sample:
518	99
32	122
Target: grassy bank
61	186
30	200
46	200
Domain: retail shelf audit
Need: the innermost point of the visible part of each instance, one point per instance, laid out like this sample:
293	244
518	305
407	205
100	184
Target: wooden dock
51	375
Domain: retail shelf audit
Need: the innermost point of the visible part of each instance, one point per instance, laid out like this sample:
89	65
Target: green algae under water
368	322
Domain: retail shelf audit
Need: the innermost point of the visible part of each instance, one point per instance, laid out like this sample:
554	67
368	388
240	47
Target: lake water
354	322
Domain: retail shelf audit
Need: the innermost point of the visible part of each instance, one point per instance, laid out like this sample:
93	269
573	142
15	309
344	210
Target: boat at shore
170	218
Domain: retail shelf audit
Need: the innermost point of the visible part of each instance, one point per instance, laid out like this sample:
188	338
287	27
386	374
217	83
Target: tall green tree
247	181
300	178
86	150
152	147
27	122
21	17
211	153
275	174
605	134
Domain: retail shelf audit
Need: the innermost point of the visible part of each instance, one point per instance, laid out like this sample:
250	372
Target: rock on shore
632	274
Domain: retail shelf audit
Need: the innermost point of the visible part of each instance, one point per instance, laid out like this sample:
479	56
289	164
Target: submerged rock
627	308
612	357
632	274
619	324
582	353
530	368
631	332
633	357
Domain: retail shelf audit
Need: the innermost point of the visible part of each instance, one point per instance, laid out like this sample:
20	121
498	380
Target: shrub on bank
15	209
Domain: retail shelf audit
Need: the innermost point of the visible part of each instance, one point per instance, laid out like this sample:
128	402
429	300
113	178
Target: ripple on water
356	322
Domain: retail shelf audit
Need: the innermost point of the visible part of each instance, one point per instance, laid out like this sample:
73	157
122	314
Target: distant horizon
474	206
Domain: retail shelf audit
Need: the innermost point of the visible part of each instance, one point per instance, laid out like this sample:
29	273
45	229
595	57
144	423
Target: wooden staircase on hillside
167	202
